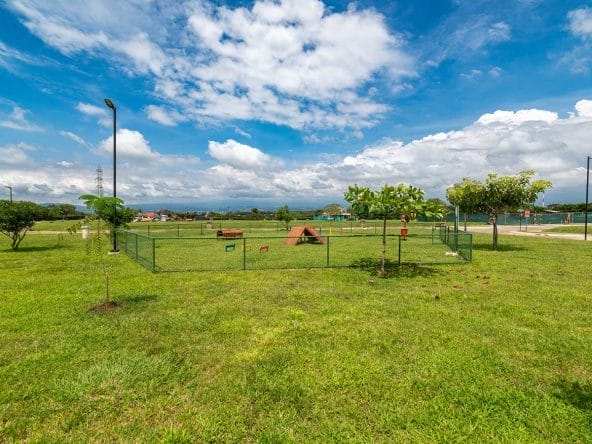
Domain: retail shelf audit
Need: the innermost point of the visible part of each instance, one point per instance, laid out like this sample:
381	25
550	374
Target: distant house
341	217
149	217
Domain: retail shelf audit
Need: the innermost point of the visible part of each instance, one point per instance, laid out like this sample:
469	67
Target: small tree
17	218
388	202
284	215
500	193
463	195
107	213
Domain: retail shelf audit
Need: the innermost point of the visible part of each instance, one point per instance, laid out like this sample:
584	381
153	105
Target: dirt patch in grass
105	307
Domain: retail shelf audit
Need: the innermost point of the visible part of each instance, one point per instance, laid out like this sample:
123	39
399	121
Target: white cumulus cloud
518	117
95	111
17	120
239	156
584	108
164	116
289	62
132	146
16	154
580	22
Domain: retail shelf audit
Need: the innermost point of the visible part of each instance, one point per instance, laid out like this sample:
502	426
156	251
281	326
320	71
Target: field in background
495	350
202	228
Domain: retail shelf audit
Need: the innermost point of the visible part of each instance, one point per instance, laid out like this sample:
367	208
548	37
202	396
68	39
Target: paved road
531	230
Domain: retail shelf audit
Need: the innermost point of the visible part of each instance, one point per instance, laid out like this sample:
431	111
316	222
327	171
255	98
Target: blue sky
271	102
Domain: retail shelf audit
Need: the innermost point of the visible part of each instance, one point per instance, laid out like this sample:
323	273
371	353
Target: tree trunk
383	246
494	222
106	286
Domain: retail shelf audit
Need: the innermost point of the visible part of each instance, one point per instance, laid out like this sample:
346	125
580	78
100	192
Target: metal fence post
153	254
178	232
136	246
244	253
399	236
328	239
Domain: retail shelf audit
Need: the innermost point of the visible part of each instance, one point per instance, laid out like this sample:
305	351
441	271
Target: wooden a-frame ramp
298	234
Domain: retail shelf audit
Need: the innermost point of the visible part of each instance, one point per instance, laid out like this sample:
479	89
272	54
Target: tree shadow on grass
575	393
35	248
500	247
392	269
137	298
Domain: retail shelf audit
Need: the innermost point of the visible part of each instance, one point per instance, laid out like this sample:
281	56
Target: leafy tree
332	209
17	218
499	193
464	195
391	201
61	211
284	215
107	212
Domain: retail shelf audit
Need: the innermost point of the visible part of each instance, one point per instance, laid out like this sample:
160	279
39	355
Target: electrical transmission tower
99	181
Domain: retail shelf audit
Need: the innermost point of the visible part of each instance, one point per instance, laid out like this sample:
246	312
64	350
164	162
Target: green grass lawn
496	350
576	229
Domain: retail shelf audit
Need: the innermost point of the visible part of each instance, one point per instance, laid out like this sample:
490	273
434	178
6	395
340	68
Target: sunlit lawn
495	350
576	229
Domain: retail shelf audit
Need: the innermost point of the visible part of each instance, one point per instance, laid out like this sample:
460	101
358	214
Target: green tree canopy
109	209
61	211
333	209
17	218
497	194
391	201
284	215
465	196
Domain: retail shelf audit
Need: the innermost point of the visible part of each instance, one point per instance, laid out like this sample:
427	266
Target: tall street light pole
10	188
110	104
586	208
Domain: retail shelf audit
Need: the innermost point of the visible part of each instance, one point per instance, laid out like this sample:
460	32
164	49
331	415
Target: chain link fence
534	218
252	252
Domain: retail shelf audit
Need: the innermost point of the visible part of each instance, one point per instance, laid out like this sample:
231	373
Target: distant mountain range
221	207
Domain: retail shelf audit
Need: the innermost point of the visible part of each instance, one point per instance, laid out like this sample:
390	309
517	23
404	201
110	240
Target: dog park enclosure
168	251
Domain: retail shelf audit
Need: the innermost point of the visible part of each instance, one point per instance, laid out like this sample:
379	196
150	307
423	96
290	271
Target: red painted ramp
297	234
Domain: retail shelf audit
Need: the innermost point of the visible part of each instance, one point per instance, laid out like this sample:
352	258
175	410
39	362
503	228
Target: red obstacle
299	234
229	234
